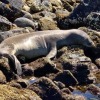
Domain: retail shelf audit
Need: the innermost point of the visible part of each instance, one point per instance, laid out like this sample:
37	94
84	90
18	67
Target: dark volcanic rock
10	13
66	77
46	89
78	16
93	21
5	68
41	68
73	59
5	24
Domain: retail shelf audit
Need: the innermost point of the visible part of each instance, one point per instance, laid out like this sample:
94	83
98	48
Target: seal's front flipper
53	51
51	54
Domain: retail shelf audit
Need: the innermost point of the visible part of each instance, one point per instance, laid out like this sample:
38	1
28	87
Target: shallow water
87	95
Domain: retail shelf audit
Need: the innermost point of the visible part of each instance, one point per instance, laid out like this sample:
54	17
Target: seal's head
87	42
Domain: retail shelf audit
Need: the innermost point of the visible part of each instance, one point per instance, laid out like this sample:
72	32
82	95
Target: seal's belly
31	49
34	53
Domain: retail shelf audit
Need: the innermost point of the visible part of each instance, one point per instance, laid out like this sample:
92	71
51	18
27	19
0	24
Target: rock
78	1
6	69
94	89
66	90
10	13
56	3
78	16
59	84
26	8
93	20
37	16
46	89
47	23
62	13
66	77
48	14
41	68
5	24
42	14
17	4
67	5
2	78
10	93
71	97
97	62
73	59
38	5
71	2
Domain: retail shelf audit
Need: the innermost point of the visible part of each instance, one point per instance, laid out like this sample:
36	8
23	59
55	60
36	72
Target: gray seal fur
42	43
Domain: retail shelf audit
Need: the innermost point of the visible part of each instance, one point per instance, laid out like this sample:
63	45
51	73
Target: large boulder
78	16
93	20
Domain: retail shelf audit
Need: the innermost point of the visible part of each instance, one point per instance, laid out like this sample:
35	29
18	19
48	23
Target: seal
42	43
25	22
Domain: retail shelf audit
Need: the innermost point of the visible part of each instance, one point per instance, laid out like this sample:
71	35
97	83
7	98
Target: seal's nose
93	45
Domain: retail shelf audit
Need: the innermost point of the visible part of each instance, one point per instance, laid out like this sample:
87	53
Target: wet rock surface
76	66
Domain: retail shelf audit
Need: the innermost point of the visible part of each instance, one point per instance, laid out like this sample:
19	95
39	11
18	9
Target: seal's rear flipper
16	63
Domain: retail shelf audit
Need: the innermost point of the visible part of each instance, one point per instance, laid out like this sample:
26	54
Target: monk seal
42	43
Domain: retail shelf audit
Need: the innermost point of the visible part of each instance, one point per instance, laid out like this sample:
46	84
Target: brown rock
47	23
11	93
62	13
